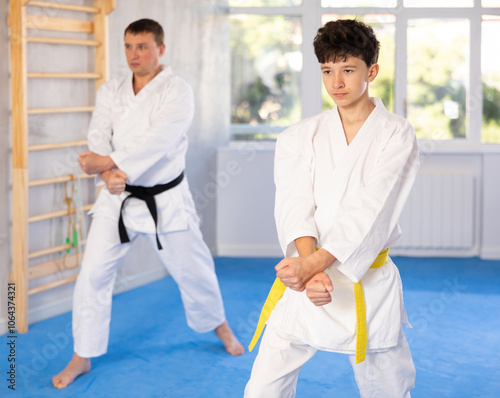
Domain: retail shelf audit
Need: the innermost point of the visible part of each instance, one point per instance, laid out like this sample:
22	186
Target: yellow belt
278	289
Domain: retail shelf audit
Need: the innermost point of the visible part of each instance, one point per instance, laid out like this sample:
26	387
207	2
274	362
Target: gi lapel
327	205
130	101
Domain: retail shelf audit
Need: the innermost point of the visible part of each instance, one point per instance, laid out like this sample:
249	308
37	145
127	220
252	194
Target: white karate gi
349	197
145	135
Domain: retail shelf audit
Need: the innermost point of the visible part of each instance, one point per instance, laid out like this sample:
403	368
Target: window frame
310	13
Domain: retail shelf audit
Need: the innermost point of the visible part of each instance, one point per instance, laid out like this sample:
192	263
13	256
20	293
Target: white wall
197	43
245	201
197	48
245	222
490	228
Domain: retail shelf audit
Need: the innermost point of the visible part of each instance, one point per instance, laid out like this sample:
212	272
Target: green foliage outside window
265	69
266	63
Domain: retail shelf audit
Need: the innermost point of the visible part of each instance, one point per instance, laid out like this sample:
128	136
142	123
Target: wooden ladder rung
50	250
53	75
53	266
56	180
60	40
58	145
40	111
59	24
59	6
52	285
55	214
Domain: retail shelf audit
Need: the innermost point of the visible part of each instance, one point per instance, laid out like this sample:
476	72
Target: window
265	74
490	76
438	75
358	3
264	3
490	3
432	70
438	3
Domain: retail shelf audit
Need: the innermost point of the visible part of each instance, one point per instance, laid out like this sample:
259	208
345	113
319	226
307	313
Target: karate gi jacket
348	197
146	136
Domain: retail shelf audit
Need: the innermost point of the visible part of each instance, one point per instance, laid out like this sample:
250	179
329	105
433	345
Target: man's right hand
92	163
318	289
115	181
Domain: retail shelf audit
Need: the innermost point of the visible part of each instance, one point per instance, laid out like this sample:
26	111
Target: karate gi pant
387	374
185	256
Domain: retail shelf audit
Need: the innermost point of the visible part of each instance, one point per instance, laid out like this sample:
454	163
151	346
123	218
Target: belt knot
148	195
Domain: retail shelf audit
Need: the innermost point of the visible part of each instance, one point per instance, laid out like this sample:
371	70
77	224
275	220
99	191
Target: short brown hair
340	39
147	26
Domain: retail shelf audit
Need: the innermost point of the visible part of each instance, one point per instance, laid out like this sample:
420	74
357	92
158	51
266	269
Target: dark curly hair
340	39
146	26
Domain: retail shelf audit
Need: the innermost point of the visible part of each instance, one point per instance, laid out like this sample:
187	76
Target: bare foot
231	343
76	367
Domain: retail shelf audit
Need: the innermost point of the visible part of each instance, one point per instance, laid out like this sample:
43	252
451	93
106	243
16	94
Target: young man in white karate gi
137	145
342	178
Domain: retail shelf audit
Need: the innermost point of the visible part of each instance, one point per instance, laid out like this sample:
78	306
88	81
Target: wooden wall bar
19	23
19	160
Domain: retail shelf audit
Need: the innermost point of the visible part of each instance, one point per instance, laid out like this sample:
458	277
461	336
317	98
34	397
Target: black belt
148	195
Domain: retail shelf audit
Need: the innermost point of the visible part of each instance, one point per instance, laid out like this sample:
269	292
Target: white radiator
440	214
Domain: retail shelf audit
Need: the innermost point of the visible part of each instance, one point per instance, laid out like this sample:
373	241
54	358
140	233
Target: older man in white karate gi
137	145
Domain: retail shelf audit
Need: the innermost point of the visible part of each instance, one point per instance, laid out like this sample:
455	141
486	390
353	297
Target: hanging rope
75	221
81	225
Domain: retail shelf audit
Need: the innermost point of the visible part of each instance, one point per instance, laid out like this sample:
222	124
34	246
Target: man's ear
162	50
373	72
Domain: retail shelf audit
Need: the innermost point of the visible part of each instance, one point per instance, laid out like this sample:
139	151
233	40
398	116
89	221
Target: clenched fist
115	181
92	163
318	289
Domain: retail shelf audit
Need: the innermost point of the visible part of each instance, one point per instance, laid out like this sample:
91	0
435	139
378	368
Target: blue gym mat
453	305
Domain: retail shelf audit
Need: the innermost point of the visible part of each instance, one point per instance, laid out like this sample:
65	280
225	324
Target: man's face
347	81
143	54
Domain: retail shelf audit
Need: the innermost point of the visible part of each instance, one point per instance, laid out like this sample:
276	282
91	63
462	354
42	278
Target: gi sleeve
170	123
295	205
366	218
101	127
